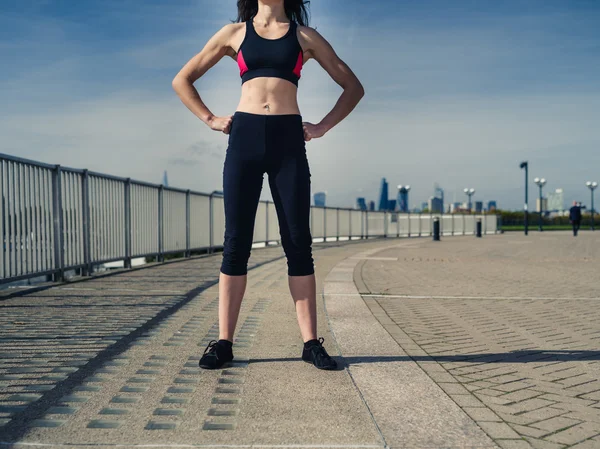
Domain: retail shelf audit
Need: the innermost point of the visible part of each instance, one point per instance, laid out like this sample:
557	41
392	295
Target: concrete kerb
408	408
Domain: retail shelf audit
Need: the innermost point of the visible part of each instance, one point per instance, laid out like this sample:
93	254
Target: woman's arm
183	83
318	48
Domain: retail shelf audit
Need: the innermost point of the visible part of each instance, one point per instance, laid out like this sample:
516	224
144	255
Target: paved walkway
463	343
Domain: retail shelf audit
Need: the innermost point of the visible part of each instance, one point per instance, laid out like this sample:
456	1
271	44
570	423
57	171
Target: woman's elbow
178	82
359	89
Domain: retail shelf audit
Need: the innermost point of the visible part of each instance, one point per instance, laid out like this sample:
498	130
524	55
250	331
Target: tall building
424	206
361	204
478	207
372	206
403	198
165	179
556	201
383	195
435	205
392	205
438	192
320	199
492	206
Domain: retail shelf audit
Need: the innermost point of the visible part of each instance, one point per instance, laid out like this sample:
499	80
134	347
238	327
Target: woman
270	42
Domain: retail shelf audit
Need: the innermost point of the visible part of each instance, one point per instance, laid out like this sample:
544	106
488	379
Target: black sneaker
317	355
215	355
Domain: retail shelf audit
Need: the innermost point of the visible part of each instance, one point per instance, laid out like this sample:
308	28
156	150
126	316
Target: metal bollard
436	229
479	227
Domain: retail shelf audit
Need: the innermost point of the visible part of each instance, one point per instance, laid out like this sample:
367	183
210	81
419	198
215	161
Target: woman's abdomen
272	96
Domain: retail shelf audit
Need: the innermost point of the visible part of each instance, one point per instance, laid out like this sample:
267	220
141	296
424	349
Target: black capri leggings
273	144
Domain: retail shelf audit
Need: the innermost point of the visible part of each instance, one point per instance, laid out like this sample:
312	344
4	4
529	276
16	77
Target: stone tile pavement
463	343
509	329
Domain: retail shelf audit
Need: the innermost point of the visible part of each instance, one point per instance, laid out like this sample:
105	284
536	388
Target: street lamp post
592	186
540	182
525	165
470	193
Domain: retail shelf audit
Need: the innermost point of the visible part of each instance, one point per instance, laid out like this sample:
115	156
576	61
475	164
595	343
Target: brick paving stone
588	444
521	395
543	444
513	444
543	413
498	430
575	434
554	424
482	414
529	431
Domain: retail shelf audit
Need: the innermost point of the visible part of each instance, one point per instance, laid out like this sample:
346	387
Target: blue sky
456	93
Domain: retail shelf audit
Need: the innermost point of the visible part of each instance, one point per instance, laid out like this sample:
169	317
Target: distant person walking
575	217
271	42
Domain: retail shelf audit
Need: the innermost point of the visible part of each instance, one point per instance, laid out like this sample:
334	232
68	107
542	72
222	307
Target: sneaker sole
331	368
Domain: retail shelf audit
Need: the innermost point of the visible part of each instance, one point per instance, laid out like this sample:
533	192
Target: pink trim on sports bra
241	63
298	68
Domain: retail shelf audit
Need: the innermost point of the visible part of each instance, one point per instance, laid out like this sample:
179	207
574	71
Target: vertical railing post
385	220
267	224
59	275
484	223
431	222
87	232
464	225
337	232
161	191
408	215
367	224
127	263
420	225
312	216
324	224
397	224
210	223
188	214
349	225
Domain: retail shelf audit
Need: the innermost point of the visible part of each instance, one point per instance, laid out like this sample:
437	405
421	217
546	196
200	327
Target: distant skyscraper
556	201
361	204
544	204
478	207
424	206
438	192
492	206
403	198
435	205
383	195
392	205
165	179
372	206
454	207
320	199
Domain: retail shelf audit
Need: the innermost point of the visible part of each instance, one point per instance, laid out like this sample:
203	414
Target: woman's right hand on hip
221	123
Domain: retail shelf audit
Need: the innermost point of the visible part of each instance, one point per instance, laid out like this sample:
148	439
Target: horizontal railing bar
22	160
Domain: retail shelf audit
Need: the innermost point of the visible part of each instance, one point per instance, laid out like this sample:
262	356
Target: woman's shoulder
232	28
309	33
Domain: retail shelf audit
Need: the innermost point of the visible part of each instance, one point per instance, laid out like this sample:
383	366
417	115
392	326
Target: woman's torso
266	95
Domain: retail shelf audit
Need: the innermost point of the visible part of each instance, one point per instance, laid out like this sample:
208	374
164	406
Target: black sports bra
279	58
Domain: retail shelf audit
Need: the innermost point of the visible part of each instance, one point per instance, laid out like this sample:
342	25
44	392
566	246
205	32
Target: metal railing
55	219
